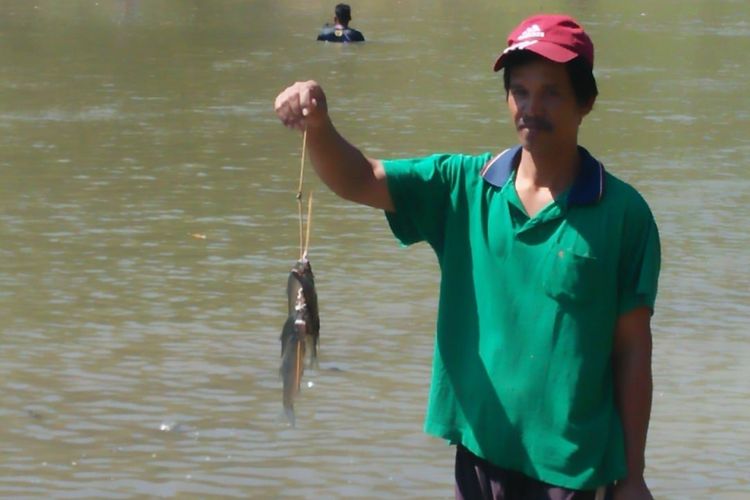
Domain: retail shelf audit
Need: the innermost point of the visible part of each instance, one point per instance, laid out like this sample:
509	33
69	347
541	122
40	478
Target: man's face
543	106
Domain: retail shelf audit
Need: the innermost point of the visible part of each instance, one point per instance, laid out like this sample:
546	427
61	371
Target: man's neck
542	170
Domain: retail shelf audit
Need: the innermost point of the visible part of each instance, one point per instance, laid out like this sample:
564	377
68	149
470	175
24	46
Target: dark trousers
477	479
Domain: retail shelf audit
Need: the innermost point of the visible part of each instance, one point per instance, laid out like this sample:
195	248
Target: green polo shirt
521	372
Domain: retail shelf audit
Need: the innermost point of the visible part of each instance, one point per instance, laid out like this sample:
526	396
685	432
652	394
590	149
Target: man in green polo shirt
549	267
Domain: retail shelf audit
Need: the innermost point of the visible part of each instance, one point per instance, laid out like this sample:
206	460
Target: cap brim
550	51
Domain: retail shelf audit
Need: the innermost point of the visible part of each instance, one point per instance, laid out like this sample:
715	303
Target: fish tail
288	399
290	376
291	370
289	412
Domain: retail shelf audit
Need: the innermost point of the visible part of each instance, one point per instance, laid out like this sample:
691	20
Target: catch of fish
300	291
301	331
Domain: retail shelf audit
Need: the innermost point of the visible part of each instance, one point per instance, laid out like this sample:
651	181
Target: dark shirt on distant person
338	33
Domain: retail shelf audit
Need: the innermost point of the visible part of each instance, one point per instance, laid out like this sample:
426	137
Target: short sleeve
420	189
640	260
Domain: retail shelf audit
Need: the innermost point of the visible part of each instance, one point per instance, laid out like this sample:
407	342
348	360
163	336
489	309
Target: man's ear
586	108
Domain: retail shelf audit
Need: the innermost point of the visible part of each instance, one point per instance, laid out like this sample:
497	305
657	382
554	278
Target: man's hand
302	105
632	489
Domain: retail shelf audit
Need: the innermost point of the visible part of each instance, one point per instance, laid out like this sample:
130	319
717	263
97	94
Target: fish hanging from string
301	331
301	277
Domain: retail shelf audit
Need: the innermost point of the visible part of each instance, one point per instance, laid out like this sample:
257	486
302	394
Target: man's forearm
341	166
634	388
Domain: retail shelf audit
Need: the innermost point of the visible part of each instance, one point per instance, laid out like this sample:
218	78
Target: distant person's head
343	14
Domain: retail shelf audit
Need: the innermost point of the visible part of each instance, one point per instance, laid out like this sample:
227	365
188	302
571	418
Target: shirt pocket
571	276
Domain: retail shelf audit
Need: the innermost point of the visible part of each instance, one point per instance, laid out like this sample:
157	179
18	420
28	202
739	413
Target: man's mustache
535	123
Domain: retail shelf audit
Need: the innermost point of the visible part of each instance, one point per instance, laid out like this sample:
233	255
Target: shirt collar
587	188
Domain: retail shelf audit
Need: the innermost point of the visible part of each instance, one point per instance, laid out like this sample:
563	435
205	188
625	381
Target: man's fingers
310	108
306	101
295	108
295	104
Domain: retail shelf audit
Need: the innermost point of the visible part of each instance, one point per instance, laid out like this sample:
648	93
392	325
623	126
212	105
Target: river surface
148	222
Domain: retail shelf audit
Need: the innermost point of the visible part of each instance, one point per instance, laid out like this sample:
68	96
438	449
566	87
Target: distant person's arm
341	166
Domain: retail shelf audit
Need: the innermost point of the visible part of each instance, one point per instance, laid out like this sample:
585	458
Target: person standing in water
549	268
340	31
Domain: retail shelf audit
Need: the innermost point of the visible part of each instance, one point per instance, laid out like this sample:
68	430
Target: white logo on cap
520	46
533	31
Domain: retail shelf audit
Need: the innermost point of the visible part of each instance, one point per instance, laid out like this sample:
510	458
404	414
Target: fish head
302	267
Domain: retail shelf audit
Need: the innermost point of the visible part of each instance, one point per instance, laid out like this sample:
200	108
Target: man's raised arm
341	166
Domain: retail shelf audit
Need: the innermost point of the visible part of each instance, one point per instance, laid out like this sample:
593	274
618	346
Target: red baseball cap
555	37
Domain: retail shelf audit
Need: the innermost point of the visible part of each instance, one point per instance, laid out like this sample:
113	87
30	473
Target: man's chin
534	142
529	138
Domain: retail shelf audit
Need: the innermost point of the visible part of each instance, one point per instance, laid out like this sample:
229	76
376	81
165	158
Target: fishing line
299	214
309	223
302	164
299	193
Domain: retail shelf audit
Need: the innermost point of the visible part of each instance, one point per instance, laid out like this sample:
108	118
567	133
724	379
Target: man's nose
534	105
